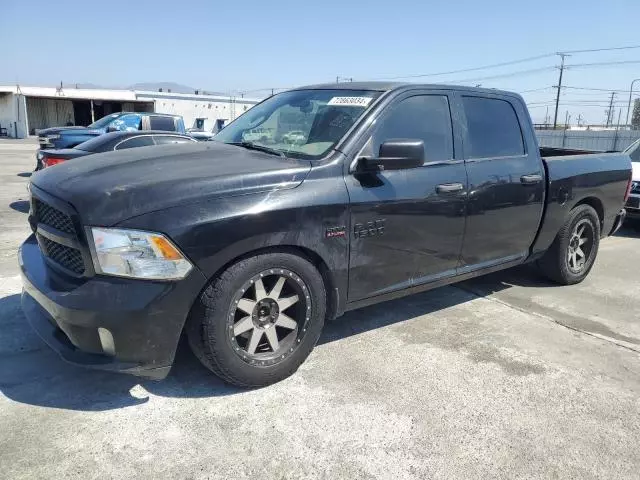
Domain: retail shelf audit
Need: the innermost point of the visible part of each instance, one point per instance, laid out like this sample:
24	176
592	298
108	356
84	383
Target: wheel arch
313	257
596	204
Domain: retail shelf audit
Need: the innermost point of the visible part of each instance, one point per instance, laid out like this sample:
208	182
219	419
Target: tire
559	263
221	330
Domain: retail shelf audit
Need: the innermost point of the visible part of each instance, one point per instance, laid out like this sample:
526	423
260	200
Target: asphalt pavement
505	376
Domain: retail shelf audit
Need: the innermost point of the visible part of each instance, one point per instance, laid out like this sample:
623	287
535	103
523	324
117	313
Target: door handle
530	179
449	188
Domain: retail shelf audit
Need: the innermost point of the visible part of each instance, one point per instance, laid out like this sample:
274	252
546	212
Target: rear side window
422	117
162	123
168	139
127	123
493	129
142	141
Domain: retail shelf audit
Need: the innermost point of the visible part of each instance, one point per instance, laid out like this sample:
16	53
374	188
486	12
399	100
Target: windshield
104	121
300	123
93	144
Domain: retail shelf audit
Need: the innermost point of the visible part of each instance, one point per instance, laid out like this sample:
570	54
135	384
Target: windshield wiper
261	148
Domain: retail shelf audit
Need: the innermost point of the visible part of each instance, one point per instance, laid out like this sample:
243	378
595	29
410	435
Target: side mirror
395	154
111	128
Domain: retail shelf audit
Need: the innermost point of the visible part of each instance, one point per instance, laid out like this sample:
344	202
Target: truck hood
636	171
107	188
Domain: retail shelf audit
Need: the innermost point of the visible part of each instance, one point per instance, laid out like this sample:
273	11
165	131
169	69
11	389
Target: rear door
506	180
407	225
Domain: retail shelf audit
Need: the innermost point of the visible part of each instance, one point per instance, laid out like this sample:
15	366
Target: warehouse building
25	110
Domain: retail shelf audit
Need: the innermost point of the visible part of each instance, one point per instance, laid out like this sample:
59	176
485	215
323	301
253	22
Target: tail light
51	161
626	195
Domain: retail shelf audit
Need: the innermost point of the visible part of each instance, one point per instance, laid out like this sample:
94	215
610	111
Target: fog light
106	340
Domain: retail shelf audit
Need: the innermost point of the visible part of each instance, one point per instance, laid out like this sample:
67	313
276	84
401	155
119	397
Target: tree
635	117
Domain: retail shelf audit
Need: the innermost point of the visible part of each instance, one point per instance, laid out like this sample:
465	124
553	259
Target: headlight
137	254
55	136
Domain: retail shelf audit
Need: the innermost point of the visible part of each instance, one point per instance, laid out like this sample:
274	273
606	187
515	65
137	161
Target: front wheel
256	323
573	252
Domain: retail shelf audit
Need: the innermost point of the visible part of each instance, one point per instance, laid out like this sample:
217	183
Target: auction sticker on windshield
350	101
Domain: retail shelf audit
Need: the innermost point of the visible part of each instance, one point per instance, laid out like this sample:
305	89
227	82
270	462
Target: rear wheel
257	322
573	252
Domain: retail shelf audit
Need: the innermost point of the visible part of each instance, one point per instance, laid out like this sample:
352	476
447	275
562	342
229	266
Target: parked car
69	137
249	248
633	203
109	142
200	135
258	135
294	137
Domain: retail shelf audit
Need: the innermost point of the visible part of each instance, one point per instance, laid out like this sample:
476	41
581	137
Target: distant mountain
83	85
165	86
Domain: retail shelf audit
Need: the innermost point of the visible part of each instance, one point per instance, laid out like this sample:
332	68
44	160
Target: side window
423	117
162	123
127	123
169	139
493	129
142	141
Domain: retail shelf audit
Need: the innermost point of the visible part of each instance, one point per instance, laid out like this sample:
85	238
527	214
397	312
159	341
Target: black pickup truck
360	193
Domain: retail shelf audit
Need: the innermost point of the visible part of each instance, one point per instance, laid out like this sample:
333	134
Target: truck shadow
21	206
31	373
629	230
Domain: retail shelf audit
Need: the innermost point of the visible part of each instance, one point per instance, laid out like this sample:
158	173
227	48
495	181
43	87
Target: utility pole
559	87
629	104
546	118
610	109
579	119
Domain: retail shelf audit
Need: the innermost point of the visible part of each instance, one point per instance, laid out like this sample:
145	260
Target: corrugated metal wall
48	112
604	141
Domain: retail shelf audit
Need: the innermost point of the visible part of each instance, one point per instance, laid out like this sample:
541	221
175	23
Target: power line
595	89
473	69
505	64
497	65
536	89
502	75
602	64
601	49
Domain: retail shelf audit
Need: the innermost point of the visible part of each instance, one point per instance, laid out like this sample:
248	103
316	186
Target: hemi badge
336	232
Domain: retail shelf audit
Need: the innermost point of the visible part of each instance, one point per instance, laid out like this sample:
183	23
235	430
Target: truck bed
598	179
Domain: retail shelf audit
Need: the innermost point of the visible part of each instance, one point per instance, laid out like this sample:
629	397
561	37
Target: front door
506	181
407	225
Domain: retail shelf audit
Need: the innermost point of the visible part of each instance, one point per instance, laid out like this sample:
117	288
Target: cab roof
388	86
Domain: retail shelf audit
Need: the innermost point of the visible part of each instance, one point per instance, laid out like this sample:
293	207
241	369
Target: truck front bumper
107	323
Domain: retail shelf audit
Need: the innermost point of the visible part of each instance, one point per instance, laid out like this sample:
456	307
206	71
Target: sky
253	46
